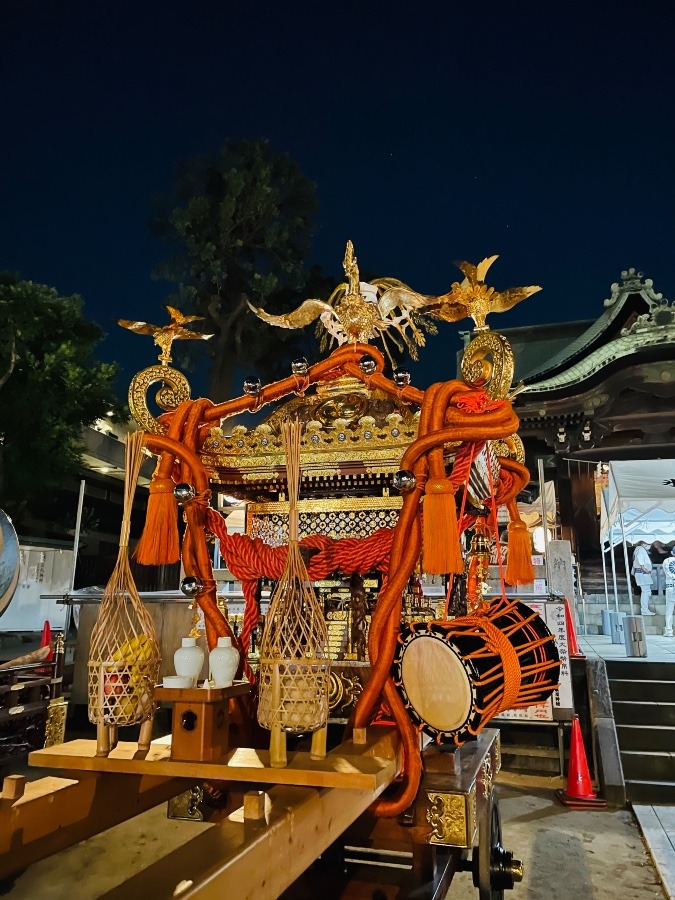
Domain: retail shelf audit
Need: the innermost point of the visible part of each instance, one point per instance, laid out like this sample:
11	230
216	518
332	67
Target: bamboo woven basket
124	652
294	668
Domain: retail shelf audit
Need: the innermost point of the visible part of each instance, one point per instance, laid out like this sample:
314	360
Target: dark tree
242	224
51	387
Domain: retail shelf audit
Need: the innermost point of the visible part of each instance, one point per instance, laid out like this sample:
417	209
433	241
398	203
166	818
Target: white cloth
669	569
642	568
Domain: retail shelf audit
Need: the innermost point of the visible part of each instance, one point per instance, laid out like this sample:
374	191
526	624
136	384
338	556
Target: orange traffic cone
572	642
46	640
579	793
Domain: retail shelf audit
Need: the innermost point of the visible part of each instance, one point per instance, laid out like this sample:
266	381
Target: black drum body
454	676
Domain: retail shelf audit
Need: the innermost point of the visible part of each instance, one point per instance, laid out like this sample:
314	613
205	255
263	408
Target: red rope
251	558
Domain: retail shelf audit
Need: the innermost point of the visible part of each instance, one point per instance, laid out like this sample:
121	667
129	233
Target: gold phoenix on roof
359	311
470	297
165	335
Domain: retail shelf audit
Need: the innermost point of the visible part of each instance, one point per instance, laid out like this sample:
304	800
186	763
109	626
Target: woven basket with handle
124	652
294	667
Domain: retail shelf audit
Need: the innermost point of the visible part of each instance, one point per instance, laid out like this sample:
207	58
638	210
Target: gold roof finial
165	335
346	315
351	268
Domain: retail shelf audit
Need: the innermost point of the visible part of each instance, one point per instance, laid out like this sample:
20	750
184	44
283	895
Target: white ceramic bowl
177	681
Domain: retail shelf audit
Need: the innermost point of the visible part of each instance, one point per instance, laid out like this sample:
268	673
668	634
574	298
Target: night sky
435	132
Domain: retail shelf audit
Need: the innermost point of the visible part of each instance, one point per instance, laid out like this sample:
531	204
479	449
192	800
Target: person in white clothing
669	569
642	570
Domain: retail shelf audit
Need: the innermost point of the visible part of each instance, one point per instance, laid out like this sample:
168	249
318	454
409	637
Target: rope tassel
159	542
441	550
519	568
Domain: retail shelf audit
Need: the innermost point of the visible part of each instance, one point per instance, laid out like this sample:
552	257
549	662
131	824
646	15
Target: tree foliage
51	387
241	224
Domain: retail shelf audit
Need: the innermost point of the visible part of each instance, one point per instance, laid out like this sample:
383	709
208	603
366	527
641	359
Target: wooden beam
251	861
13	787
348	766
55	813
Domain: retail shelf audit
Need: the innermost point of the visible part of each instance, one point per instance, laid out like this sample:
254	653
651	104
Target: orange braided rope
197	561
451	412
440	422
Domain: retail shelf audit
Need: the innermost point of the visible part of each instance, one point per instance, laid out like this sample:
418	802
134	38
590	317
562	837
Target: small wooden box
201	719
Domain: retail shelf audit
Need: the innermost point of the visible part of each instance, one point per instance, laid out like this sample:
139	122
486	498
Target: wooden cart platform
367	766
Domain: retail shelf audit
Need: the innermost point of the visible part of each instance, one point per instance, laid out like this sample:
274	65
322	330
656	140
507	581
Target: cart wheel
494	868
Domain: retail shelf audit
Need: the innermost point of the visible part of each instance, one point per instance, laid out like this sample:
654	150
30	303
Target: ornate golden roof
349	431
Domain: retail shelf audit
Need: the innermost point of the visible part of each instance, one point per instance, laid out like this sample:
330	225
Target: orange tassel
519	568
159	542
441	552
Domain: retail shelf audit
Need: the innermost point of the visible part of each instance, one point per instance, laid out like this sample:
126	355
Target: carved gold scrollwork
447	817
55	730
487	776
343	691
488	363
336	691
511	447
174	390
498	755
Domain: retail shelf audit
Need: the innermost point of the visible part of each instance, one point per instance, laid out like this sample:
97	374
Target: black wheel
494	868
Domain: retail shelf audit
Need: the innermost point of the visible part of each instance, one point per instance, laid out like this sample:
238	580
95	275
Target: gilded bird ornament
357	312
165	335
470	297
387	308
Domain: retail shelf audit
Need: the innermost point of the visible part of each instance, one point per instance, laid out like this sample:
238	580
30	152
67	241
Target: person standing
669	569
642	570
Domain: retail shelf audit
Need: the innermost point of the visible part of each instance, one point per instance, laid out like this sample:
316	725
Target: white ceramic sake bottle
189	659
223	661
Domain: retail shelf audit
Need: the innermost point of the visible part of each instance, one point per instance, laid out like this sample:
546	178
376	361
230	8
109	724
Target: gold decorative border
328	504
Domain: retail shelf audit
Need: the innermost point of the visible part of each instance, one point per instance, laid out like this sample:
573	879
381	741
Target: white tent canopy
640	499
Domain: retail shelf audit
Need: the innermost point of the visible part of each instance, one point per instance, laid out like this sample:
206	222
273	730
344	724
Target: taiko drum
455	675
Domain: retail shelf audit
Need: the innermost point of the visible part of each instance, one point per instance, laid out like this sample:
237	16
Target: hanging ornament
294	666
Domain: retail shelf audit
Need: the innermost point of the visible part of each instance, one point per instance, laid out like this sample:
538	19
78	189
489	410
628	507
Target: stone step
632	712
659	792
639	689
535	760
657	765
642	669
646	737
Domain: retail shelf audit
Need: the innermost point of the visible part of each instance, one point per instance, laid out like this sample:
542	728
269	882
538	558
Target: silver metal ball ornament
191	586
300	366
367	365
401	377
184	492
403	480
252	386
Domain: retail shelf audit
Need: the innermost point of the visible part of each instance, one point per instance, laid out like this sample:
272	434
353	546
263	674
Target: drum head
9	561
436	683
438	686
